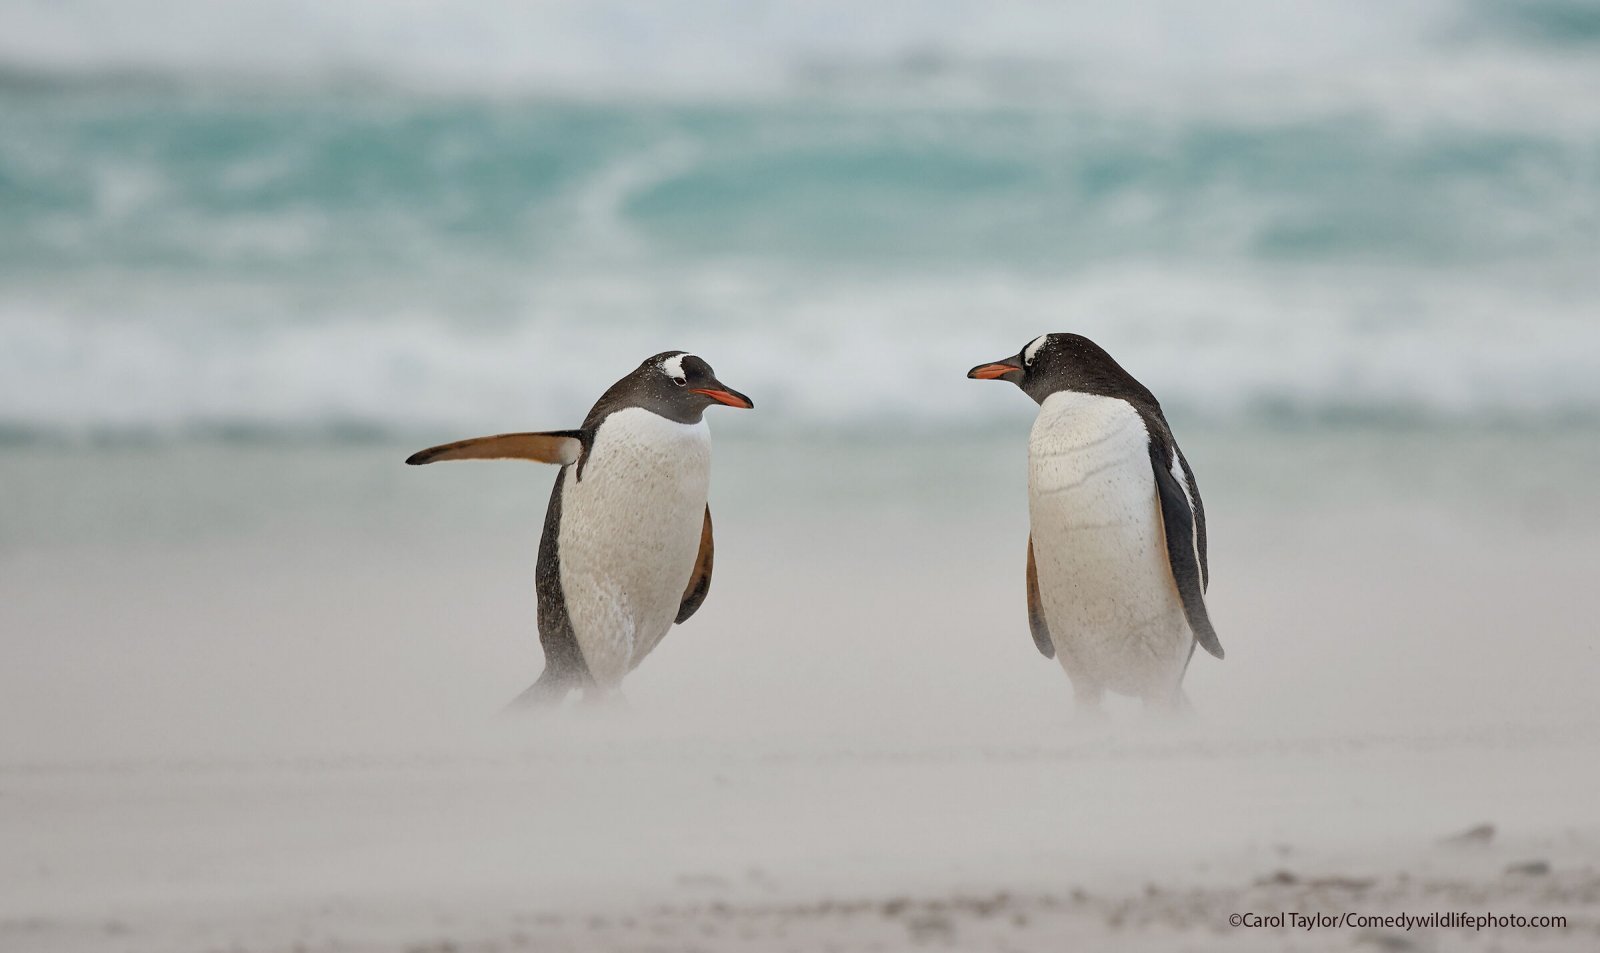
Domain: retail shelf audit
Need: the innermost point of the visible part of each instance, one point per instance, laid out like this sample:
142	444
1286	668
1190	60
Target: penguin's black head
1057	362
680	386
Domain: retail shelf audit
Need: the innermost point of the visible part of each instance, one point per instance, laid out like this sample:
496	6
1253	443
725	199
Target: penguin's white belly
1100	549
630	534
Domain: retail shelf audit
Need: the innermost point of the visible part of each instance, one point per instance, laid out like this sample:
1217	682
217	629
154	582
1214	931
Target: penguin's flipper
1177	518
1199	516
1041	632
700	579
561	447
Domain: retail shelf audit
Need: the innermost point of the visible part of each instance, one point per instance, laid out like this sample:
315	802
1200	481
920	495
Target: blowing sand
272	727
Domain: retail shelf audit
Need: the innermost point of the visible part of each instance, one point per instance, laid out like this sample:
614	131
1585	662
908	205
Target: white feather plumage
630	532
1105	584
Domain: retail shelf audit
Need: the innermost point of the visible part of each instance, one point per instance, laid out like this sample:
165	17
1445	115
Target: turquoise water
304	222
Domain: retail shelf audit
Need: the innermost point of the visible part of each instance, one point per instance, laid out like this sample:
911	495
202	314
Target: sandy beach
274	728
1150	844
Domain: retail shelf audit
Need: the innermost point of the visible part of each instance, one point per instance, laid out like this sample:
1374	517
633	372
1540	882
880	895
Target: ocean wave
1468	57
817	351
297	218
321	184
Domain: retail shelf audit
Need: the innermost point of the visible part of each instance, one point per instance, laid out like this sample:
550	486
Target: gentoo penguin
626	550
1117	569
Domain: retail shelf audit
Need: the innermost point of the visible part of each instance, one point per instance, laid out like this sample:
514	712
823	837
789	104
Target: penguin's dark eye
681	381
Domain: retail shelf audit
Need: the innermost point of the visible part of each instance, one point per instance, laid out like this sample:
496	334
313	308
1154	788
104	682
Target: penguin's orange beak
993	370
730	397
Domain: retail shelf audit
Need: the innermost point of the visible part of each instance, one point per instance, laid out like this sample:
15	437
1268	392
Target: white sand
279	734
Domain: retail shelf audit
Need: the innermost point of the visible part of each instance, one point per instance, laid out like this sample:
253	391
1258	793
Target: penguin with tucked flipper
1117	571
627	547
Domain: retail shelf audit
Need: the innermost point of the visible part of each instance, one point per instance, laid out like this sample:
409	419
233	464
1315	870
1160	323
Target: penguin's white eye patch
673	368
1032	350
